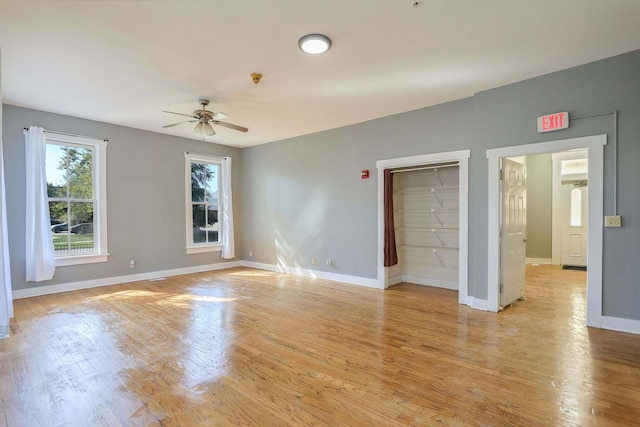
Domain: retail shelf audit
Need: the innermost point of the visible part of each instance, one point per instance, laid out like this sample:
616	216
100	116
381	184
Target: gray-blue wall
506	116
145	197
539	206
303	197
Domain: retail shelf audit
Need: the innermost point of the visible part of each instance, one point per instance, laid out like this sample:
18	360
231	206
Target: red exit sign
555	121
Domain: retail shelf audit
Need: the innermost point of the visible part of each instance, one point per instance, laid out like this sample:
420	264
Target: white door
513	232
574	223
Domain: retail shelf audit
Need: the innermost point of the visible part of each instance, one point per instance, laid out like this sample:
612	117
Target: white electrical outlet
613	221
313	261
329	262
132	263
250	253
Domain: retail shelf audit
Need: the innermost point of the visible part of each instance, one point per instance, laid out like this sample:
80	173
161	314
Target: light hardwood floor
250	347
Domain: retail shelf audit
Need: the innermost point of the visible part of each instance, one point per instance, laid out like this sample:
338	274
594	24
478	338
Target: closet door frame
462	157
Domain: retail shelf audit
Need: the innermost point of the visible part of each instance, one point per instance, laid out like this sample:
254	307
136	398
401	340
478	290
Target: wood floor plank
257	348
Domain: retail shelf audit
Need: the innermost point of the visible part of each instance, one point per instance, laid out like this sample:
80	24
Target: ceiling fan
204	119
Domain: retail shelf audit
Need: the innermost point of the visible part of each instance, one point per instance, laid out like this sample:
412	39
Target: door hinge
501	175
501	288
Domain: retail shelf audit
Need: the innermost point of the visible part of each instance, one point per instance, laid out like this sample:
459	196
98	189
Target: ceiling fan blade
180	114
220	116
179	123
230	126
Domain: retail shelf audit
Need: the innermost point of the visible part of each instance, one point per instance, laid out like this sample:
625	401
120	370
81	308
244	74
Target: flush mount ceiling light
314	44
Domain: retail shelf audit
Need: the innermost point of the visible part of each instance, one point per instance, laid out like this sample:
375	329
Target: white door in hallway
513	231
574	223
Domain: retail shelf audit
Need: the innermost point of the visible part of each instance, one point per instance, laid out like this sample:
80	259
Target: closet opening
423	221
425	205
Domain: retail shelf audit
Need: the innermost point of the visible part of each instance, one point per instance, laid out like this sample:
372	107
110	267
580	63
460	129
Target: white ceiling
124	62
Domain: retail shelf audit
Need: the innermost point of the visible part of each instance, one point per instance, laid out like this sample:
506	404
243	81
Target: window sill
203	249
81	259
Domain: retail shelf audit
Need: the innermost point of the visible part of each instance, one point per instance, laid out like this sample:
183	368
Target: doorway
595	148
462	159
574	212
425	202
542	194
570	194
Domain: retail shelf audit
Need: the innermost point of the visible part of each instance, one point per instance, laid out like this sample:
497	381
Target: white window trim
202	247
100	191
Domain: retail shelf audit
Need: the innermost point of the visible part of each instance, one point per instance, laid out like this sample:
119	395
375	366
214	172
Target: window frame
191	247
99	188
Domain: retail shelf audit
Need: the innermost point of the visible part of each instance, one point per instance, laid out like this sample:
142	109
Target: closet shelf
427	229
430	210
451	248
427	216
428	189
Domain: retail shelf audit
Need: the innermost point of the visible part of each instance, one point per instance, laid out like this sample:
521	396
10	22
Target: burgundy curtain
390	252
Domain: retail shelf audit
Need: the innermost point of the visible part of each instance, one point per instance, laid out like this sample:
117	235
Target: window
576	208
574	166
204	207
76	190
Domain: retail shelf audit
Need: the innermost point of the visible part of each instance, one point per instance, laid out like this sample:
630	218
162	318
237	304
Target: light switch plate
613	221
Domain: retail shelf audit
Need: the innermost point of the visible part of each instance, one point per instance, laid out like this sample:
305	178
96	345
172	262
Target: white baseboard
621	325
478	304
542	261
261	266
394	280
86	284
107	281
343	278
436	283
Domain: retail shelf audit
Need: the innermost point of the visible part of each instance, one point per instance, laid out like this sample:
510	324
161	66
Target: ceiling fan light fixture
205	120
204	128
314	44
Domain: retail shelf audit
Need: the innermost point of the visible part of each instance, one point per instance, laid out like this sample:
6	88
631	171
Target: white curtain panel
40	261
6	298
228	246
